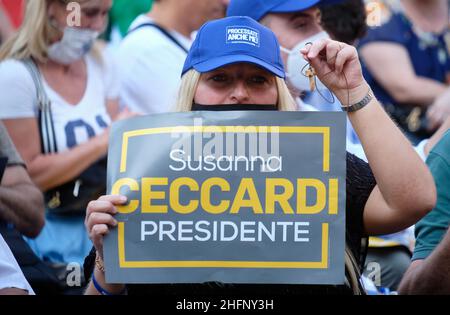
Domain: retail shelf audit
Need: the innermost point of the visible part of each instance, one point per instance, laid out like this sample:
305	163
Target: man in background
151	56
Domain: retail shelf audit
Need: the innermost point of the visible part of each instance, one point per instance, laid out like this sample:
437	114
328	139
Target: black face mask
232	107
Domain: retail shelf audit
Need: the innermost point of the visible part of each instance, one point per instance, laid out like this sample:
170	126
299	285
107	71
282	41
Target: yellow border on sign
325	131
322	264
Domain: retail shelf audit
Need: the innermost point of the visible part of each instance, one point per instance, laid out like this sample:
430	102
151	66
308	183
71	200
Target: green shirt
124	12
432	228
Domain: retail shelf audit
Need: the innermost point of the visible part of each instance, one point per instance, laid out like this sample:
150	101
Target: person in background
21	209
152	54
12	280
429	270
345	20
406	62
297	23
59	95
24	214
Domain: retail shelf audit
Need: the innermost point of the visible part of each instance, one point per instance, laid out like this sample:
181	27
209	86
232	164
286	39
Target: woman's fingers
115	199
316	48
97	234
101	206
96	218
332	50
305	51
335	54
99	217
98	225
105	204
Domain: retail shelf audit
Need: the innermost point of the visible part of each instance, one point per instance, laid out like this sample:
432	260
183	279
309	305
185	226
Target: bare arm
21	202
405	190
431	275
391	66
49	171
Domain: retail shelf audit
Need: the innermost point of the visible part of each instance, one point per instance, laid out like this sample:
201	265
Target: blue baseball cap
257	9
233	40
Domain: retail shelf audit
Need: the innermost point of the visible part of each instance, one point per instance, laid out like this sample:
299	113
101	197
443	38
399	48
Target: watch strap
357	106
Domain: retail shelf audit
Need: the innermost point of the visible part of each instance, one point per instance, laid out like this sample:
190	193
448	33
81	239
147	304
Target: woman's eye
219	78
258	79
300	23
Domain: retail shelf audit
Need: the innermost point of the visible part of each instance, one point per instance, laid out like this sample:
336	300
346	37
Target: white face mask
74	45
296	65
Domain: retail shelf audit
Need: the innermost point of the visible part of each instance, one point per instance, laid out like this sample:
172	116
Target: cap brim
218	62
294	6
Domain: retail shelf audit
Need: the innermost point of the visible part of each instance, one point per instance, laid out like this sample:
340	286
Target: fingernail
123	198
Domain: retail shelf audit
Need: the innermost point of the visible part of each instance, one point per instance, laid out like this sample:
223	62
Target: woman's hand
100	218
337	65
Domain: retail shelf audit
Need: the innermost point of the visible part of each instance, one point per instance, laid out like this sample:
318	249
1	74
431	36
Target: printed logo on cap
243	35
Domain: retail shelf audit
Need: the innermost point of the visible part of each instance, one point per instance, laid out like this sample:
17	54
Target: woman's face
241	83
90	14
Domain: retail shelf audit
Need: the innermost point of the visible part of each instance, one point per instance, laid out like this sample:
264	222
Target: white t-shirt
74	124
10	274
150	66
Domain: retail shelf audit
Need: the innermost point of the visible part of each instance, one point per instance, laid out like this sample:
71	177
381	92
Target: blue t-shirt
428	52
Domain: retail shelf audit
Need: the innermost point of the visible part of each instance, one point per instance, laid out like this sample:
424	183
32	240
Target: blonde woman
248	74
58	94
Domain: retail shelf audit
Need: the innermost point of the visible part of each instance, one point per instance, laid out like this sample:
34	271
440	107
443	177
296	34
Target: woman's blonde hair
190	81
35	34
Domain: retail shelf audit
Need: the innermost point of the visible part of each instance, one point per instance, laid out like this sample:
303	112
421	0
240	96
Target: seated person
406	62
428	273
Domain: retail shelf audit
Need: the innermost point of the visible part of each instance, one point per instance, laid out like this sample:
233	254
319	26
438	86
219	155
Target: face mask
73	46
232	107
297	65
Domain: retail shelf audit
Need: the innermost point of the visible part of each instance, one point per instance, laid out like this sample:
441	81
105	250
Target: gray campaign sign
235	197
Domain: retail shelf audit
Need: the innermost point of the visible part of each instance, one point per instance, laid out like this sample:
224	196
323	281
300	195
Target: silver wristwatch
354	107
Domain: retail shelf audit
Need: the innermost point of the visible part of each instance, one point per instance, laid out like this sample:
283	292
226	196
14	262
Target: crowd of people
64	85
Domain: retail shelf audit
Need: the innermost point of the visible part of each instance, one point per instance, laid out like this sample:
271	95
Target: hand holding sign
99	218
